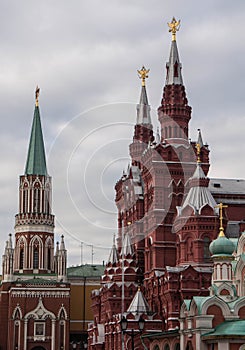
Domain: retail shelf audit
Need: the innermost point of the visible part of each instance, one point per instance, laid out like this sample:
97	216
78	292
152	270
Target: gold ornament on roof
143	74
221	206
174	27
37	92
198	148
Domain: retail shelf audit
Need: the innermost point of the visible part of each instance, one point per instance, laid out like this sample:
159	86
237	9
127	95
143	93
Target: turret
62	261
222	249
143	130
8	261
195	223
174	113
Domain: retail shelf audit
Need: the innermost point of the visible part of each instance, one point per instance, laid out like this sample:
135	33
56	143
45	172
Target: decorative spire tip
198	148
174	27
37	92
143	74
221	206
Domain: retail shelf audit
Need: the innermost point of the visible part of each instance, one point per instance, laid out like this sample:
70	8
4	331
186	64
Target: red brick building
167	218
34	293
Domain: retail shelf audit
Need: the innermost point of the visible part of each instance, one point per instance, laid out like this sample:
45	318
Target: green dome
221	246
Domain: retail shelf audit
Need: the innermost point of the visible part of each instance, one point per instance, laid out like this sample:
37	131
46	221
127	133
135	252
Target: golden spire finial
174	27
37	92
221	228
143	74
198	148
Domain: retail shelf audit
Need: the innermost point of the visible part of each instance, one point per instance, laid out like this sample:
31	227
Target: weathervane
143	74
221	229
174	27
37	92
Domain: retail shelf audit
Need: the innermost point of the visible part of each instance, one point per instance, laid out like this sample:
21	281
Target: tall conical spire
174	66
174	113
199	139
113	258
143	108
36	160
127	245
143	129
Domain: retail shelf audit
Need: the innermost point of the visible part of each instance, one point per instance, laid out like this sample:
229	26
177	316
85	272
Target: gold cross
221	229
143	74
174	27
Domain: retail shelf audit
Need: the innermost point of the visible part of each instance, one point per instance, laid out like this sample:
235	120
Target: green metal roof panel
199	302
38	281
187	303
86	271
36	160
228	329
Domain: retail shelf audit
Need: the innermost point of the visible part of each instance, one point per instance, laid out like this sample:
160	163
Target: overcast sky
84	55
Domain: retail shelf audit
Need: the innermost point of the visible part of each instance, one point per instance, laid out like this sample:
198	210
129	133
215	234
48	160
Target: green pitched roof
227	329
86	271
36	160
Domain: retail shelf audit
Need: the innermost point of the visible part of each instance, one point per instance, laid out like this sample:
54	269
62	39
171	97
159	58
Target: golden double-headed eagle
143	74
174	27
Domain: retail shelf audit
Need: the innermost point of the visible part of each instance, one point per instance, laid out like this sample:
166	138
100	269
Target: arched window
25	200
21	264
46	201
150	253
189	346
156	347
176	65
36	201
166	347
62	334
177	346
49	259
36	258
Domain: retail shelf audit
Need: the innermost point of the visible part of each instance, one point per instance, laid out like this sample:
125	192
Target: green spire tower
36	160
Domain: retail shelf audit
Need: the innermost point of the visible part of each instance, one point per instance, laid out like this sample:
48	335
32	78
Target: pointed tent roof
127	245
62	243
143	108
199	139
174	66
113	257
199	195
36	159
139	304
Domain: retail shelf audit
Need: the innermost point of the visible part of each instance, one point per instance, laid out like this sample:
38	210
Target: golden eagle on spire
174	27
143	74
